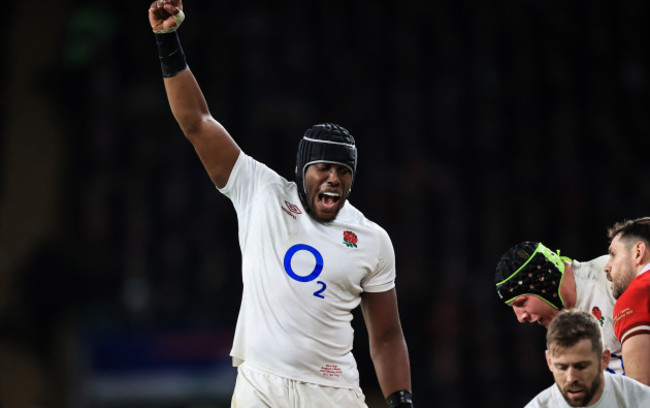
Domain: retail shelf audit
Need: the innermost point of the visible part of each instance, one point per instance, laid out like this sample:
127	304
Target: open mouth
329	199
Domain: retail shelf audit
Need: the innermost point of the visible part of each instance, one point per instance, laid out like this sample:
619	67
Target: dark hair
631	229
571	326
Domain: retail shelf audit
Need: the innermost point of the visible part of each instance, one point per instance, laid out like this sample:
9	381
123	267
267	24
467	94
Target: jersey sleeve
632	311
246	179
383	276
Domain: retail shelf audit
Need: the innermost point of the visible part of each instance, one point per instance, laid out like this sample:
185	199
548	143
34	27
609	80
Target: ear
296	170
605	359
640	253
548	361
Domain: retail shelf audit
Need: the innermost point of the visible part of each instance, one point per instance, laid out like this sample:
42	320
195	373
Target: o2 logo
318	268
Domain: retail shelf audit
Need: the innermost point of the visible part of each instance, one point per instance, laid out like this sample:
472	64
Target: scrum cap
533	269
327	143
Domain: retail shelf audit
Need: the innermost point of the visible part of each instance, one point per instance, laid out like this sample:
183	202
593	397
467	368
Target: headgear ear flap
531	268
324	143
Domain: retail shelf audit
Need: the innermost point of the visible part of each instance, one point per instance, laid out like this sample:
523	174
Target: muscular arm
636	357
216	149
387	345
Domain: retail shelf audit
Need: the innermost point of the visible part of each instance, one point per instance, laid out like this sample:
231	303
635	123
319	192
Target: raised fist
165	16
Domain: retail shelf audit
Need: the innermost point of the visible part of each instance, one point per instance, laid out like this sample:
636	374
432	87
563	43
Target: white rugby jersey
594	295
620	392
301	279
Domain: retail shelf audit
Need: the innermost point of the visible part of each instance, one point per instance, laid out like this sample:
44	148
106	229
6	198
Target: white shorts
256	389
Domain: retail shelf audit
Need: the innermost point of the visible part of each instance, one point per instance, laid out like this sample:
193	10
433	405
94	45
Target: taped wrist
178	20
170	52
400	399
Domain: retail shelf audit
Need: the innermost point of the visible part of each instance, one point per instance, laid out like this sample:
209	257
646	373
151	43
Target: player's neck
568	287
645	268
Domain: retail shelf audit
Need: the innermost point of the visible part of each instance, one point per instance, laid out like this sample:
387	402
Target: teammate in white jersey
577	359
308	257
538	283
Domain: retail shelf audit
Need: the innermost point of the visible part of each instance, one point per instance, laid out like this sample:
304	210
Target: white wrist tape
178	19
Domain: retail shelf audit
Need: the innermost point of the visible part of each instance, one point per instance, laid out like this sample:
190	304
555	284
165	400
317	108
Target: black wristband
170	52
400	399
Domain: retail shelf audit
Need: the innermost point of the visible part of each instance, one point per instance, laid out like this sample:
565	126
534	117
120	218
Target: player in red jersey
628	263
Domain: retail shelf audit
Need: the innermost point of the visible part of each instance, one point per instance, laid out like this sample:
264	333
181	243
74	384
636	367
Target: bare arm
216	149
636	357
213	144
387	345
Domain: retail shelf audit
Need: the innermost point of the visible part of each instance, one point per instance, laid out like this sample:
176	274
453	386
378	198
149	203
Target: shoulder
249	171
251	164
596	265
351	215
379	233
643	280
638	289
627	386
632	312
600	262
351	218
545	399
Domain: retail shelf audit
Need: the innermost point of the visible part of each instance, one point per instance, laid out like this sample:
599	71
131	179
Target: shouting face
327	186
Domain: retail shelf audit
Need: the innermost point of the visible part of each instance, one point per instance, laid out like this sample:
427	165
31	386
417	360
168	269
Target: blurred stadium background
479	125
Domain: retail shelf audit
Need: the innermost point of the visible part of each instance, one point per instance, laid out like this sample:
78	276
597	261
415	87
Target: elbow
195	126
388	346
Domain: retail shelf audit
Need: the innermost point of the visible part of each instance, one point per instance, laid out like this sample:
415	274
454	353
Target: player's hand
166	16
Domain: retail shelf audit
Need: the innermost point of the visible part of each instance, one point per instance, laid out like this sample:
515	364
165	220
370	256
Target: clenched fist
165	16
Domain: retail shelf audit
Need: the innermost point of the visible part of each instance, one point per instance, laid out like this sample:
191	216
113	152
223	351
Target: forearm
637	367
636	358
387	347
391	361
183	92
187	102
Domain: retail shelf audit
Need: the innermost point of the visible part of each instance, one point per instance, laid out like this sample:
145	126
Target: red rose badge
598	314
350	239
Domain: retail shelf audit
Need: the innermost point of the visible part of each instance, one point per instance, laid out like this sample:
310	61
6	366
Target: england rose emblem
598	314
350	239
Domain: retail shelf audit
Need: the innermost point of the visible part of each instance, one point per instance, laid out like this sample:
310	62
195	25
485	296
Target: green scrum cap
530	268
